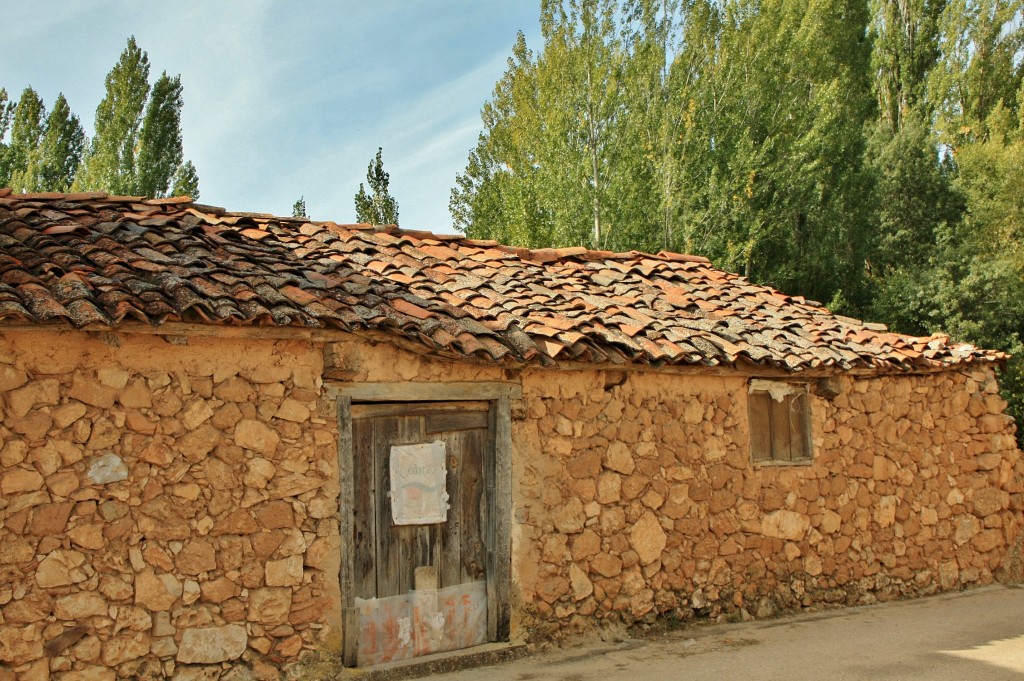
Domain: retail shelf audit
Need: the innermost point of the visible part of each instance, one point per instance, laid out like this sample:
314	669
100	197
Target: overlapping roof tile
92	259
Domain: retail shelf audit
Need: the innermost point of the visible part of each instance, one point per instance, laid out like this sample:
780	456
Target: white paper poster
418	494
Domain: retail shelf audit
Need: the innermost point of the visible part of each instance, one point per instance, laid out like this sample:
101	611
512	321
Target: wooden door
420	587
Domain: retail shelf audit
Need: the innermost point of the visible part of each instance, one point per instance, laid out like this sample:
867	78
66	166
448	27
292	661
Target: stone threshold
439	663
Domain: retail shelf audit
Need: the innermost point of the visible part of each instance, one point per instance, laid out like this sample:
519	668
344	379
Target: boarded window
780	422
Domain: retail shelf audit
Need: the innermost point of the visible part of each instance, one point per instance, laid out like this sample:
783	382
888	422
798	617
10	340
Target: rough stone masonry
169	504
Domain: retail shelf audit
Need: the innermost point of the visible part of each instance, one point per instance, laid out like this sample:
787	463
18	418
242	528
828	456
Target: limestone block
19	645
219	590
11	378
270	605
106	469
125	647
80	606
50	519
156	592
606	565
885	512
63	484
14	550
783	524
20	480
92	393
133	618
619	458
60	568
580	583
259	472
647	538
157	454
571	518
37	393
66	414
292	410
196	557
284	572
195	413
257	436
275	515
135	395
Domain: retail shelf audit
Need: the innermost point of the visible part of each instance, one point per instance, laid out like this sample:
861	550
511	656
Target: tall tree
377	207
137	147
109	163
27	127
51	165
6	112
159	153
299	208
979	71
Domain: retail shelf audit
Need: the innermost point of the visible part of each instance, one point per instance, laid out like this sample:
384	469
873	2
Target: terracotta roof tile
92	259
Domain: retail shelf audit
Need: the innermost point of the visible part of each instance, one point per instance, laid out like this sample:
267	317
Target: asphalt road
972	636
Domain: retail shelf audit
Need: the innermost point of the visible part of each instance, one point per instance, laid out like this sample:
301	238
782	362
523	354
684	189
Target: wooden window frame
779	417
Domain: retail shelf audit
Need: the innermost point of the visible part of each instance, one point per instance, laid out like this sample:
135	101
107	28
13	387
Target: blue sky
284	99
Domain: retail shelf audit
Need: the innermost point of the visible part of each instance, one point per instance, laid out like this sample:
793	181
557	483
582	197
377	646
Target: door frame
497	472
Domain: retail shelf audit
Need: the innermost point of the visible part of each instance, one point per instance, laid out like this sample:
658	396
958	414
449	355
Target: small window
780	422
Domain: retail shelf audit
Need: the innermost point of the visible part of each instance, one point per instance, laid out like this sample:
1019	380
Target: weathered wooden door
420	582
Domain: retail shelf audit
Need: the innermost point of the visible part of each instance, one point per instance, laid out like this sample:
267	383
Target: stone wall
167	507
637	499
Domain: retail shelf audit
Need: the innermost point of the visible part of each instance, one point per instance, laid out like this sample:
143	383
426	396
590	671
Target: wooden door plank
473	508
364	510
450	533
385	434
449	422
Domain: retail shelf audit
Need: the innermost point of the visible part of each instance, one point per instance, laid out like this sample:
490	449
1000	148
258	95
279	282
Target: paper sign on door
418	494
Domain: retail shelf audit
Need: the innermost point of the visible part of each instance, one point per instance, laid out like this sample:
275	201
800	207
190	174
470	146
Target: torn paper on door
418	493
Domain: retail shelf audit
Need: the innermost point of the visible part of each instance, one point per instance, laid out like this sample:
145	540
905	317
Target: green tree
186	181
377	207
27	127
299	208
137	146
52	163
979	72
6	113
109	163
159	153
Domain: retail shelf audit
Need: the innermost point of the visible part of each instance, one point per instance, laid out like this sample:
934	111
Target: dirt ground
972	636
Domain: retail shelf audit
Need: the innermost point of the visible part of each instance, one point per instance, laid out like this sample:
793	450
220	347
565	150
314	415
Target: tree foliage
136	148
377	206
865	154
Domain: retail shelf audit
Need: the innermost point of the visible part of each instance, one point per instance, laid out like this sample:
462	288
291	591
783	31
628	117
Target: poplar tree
27	127
299	208
51	165
159	153
377	207
137	146
109	163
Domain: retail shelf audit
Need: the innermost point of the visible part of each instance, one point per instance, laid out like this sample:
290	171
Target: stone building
230	440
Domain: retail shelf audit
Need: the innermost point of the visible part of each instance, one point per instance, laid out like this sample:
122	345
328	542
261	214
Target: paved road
972	636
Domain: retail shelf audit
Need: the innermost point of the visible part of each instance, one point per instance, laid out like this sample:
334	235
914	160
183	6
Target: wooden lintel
424	392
